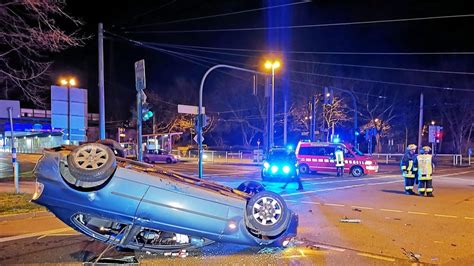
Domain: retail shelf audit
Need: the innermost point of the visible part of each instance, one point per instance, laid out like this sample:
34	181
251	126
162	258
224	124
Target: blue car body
139	197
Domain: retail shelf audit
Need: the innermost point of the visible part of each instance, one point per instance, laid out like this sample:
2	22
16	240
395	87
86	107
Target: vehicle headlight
274	169
266	165
286	169
39	187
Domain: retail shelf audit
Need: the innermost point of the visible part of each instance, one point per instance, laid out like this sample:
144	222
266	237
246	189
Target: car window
348	154
304	151
330	151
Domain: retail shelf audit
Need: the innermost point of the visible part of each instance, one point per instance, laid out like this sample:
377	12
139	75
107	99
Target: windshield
279	155
356	151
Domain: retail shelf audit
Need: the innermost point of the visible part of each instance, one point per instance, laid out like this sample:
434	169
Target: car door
329	159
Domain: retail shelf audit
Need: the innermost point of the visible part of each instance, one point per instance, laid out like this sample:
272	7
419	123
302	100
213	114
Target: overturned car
138	206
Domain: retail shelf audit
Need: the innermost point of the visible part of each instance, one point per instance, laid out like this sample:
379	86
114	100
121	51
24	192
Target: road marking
18	237
333	204
446	216
360	207
376	257
438	242
390	210
336	188
309	202
329	247
64	234
418	213
469	218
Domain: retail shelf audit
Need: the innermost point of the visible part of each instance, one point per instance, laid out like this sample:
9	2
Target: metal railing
455	159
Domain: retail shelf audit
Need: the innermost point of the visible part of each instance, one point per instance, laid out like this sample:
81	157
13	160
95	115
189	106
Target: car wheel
90	165
357	171
146	160
251	187
114	146
168	160
304	169
267	213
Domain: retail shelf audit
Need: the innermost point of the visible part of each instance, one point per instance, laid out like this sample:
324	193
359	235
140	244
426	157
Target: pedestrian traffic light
146	112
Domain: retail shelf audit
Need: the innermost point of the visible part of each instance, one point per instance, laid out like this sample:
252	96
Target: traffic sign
189	109
196	139
5	104
140	80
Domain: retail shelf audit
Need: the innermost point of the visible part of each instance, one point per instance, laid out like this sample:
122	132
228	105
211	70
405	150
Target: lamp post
68	84
271	130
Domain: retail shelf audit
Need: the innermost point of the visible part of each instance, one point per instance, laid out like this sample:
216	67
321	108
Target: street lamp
433	122
68	84
271	130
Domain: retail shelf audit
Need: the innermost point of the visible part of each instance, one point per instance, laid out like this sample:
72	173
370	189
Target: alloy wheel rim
267	211
91	157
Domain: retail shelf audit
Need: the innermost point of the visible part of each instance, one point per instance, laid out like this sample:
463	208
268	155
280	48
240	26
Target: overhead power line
306	26
328	63
210	59
214	16
311	52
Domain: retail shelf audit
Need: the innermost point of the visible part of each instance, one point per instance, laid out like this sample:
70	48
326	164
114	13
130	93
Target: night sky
445	35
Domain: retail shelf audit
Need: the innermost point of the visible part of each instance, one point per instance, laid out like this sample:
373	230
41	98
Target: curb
21	216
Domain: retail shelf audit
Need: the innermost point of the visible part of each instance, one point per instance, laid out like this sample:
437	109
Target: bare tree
334	114
30	32
379	114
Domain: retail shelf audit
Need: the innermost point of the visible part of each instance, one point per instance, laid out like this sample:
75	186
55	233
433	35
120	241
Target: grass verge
11	203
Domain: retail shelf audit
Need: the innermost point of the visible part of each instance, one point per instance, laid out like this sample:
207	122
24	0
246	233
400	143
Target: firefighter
409	167
339	158
425	171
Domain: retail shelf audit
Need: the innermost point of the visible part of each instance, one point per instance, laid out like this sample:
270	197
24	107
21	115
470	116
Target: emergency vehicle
319	157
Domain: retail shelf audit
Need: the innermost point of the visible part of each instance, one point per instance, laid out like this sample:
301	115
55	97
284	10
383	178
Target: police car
280	165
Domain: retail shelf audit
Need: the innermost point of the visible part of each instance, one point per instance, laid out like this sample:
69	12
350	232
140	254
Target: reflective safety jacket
409	165
425	166
339	158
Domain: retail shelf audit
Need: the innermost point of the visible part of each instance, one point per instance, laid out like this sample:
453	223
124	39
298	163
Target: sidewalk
25	187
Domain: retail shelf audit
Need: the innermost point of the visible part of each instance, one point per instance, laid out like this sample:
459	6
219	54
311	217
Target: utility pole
420	125
313	118
14	161
139	126
272	111
285	121
101	82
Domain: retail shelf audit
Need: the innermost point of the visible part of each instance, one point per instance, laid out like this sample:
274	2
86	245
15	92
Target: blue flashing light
266	165
274	169
336	139
289	147
286	169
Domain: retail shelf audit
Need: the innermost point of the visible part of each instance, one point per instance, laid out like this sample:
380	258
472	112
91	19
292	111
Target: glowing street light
68	83
272	65
433	122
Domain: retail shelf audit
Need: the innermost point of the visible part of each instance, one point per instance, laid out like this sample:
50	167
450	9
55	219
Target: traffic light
146	111
439	134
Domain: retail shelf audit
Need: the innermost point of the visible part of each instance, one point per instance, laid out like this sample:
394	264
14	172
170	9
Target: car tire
357	171
114	146
267	213
304	169
146	160
90	165
251	187
168	160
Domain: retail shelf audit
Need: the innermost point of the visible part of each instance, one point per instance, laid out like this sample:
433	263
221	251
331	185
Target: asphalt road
394	227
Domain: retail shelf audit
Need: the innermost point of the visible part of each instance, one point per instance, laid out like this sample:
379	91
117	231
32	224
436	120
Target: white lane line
335	188
376	257
469	218
362	208
446	216
55	231
419	213
329	247
390	210
333	204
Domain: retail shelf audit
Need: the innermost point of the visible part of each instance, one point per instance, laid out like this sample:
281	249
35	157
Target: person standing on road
425	171
297	177
409	167
339	159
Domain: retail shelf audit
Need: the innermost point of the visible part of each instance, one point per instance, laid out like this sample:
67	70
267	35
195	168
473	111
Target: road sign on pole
189	109
140	80
197	140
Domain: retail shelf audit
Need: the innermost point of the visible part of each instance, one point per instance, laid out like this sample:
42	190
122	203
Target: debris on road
454	245
411	255
357	210
182	254
351	221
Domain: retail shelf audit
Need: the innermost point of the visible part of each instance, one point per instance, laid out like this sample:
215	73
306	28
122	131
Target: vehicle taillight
39	187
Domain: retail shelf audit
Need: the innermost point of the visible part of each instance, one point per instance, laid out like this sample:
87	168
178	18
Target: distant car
281	164
153	156
135	205
319	157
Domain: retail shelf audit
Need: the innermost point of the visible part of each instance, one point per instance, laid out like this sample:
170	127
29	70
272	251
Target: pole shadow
393	191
